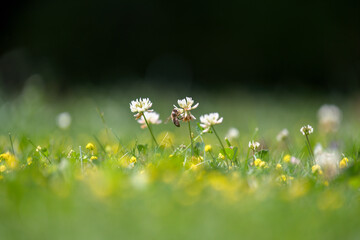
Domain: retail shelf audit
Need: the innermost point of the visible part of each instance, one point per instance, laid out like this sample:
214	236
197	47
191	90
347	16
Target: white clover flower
328	160
140	106
306	130
232	134
151	117
283	135
294	160
209	120
329	118
63	120
254	145
185	106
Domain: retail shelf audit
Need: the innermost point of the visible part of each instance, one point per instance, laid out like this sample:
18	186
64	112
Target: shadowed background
256	45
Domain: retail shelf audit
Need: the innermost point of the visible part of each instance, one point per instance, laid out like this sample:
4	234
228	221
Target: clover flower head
306	130
283	135
328	160
185	106
63	120
294	161
139	106
329	118
254	145
233	133
209	120
151	117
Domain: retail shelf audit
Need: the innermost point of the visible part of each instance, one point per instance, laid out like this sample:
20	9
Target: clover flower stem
309	145
147	124
191	140
222	146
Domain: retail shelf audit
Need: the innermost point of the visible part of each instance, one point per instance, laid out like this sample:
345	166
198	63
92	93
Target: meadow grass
55	185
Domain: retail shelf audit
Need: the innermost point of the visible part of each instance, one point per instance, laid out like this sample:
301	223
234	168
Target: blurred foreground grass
157	197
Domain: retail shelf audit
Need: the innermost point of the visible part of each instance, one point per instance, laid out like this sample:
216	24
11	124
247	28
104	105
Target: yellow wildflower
29	160
93	158
10	159
171	155
278	166
4	156
316	169
90	146
262	164
257	162
2	168
287	158
343	163
133	159
283	178
208	148
221	156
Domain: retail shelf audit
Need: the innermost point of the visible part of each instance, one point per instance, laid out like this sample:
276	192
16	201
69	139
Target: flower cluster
254	145
139	106
209	120
306	130
185	106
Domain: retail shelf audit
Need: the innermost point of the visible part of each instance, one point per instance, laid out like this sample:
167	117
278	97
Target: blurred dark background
250	44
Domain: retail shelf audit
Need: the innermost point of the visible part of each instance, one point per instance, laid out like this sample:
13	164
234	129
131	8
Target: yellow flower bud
133	159
287	158
208	148
90	146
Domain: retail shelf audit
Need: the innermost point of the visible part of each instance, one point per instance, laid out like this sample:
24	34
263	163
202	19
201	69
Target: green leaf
230	152
263	154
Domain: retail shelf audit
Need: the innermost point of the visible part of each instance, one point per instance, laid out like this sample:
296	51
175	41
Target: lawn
80	166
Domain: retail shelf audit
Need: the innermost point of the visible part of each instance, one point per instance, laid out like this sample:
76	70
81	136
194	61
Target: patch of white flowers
151	117
306	130
185	106
209	120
